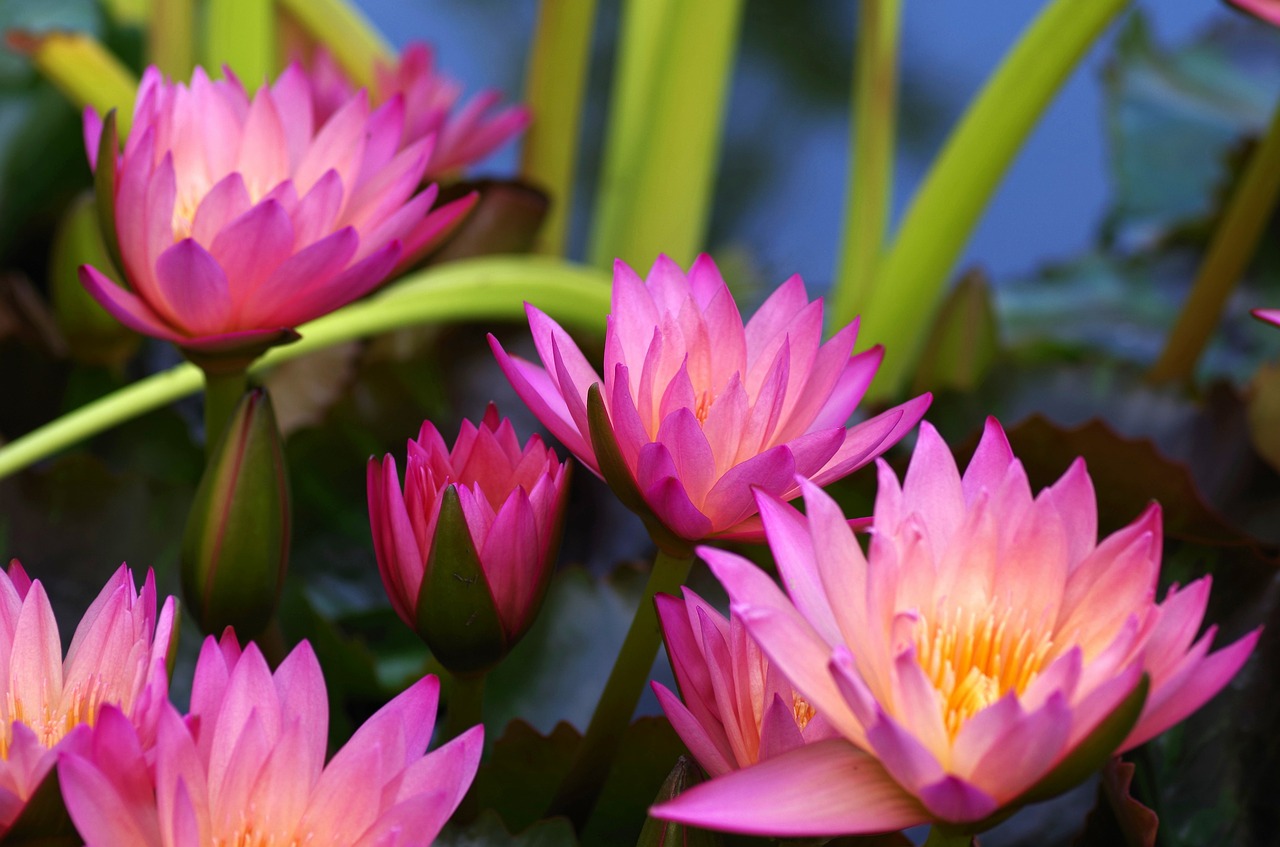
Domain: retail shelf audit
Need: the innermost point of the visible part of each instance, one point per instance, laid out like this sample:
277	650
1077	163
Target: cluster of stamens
51	722
975	658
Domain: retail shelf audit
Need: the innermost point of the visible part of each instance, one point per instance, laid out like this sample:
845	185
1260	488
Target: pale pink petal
195	288
710	749
826	788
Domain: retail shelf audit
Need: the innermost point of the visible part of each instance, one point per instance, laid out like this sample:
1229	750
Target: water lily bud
236	544
659	833
93	335
467	548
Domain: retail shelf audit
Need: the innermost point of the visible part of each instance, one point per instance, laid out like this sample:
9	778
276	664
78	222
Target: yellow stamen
801	710
975	659
51	722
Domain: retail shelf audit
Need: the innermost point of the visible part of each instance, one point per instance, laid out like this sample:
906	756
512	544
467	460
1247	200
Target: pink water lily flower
738	708
505	503
116	659
1267	10
238	218
246	766
988	651
463	136
695	409
1271	316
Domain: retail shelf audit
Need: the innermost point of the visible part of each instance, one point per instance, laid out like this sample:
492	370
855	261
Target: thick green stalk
941	837
557	78
338	24
241	34
664	130
946	208
487	288
875	118
86	72
222	393
465	706
1230	249
581	786
171	37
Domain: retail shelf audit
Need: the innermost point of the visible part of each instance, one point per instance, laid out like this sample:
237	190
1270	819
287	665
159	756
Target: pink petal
872	437
249	250
826	788
226	201
542	396
709	746
1196	683
195	288
671	504
784	635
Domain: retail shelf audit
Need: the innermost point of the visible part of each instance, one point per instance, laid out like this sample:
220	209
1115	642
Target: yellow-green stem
490	287
171	37
580	788
912	276
1232	245
222	393
941	837
663	142
340	26
465	706
875	117
557	78
241	34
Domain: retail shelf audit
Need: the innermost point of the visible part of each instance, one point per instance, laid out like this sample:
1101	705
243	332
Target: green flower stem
875	117
1230	249
222	393
465	705
171	37
941	837
83	70
338	24
947	206
485	288
241	34
581	786
557	78
664	130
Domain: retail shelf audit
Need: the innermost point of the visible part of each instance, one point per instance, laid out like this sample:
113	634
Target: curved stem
580	788
947	206
556	83
465	706
875	116
940	837
1230	249
468	289
222	393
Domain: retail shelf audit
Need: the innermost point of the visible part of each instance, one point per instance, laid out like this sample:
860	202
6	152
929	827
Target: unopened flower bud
467	548
660	833
236	545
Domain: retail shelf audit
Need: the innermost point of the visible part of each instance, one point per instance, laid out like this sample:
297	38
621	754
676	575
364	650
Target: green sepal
104	186
659	833
618	476
1091	754
236	545
93	334
456	614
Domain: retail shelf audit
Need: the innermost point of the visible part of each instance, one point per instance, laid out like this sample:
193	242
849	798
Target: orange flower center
51	722
249	835
801	710
702	406
974	659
